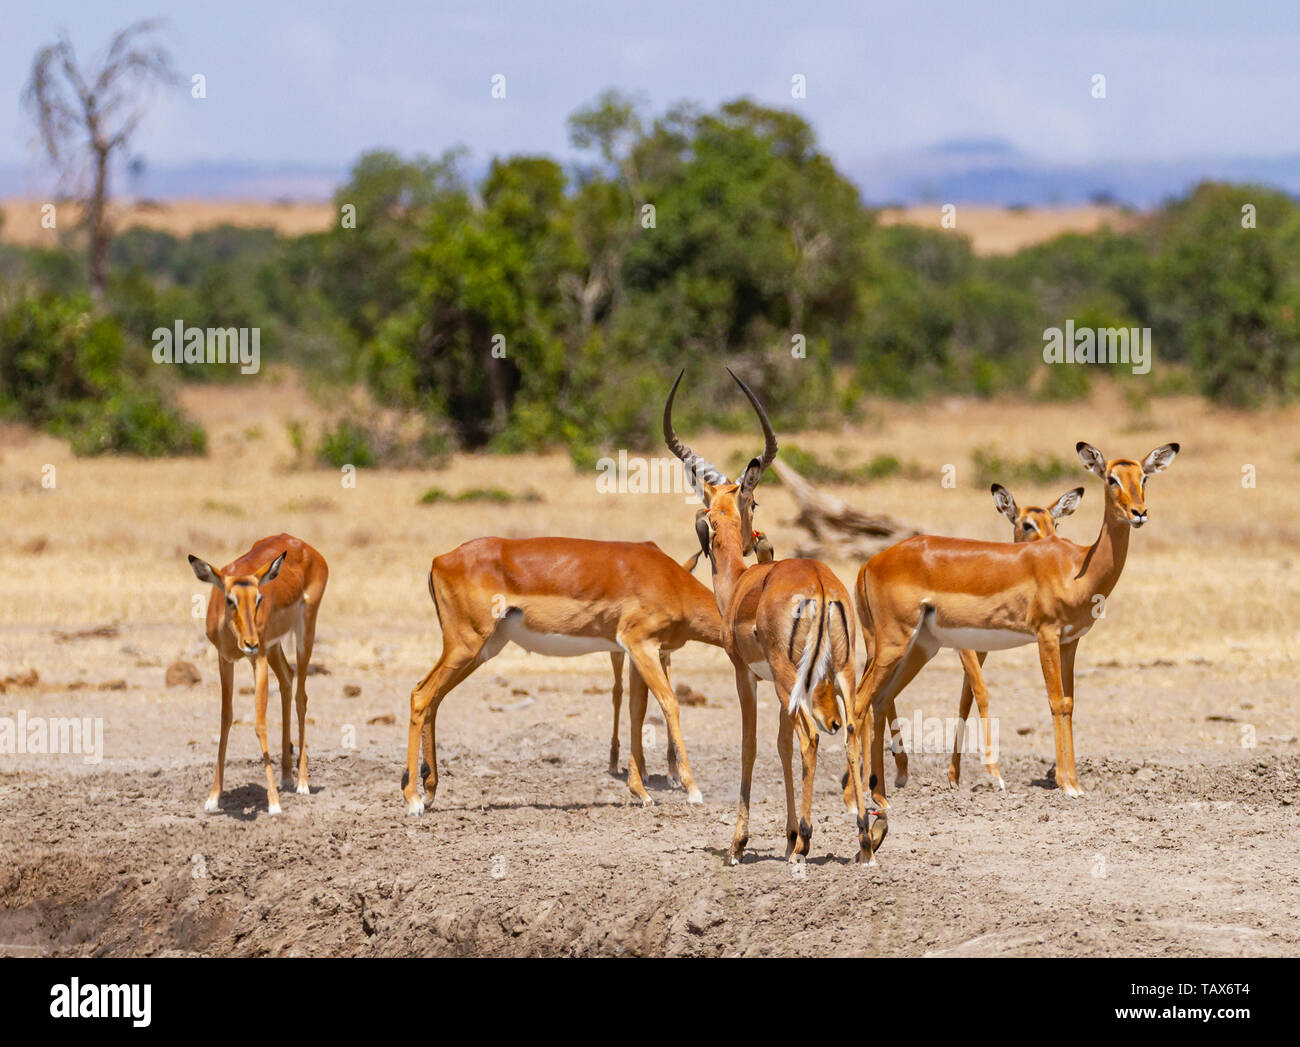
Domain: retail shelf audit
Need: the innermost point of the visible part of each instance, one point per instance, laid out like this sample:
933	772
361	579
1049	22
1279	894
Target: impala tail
825	649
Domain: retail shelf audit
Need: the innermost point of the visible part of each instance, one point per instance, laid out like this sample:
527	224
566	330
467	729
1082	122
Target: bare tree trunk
838	530
99	227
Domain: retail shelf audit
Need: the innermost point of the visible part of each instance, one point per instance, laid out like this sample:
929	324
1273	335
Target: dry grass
1213	576
1000	230
992	230
22	217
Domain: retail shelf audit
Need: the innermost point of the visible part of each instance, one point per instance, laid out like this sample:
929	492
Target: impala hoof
674	782
900	780
211	804
1074	791
415	808
273	809
302	790
694	796
1002	786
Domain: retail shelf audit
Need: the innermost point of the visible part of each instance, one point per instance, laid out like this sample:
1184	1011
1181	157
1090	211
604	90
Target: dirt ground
1186	721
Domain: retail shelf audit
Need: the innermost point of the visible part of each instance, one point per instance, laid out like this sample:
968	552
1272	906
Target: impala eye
1029	527
1114	482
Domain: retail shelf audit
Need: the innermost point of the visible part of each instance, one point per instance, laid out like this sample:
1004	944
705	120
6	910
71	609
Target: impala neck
1105	558
728	564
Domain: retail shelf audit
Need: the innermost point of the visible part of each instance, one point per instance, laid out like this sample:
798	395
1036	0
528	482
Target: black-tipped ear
269	574
752	474
1003	502
1092	458
1066	504
205	572
1160	459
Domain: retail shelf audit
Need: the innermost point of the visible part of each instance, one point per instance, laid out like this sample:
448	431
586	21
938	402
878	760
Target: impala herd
790	622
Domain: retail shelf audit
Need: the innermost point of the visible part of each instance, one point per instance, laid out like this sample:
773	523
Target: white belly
762	670
981	639
555	644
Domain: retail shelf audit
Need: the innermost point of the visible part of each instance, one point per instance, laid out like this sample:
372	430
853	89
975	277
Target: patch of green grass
813	469
989	467
436	496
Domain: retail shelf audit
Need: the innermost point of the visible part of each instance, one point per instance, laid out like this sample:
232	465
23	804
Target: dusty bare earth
1186	725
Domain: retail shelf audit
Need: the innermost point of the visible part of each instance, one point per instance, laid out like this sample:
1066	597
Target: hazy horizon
1190	87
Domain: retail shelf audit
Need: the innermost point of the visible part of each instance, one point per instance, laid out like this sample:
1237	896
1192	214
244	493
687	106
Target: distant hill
991	171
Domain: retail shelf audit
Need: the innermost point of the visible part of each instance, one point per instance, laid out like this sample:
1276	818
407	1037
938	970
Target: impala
273	590
764	553
788	622
1027	525
925	593
564	597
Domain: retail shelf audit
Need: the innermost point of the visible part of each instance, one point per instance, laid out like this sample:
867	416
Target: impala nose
249	648
1137	517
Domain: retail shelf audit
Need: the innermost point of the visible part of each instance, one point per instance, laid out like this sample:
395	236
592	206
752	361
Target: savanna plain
1186	715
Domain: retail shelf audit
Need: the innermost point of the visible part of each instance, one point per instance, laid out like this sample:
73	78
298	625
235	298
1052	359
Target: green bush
66	368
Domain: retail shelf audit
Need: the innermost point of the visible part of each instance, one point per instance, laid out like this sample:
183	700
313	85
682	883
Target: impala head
1126	480
242	599
1032	523
710	481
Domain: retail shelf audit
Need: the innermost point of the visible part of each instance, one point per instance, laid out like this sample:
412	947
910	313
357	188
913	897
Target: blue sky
315	84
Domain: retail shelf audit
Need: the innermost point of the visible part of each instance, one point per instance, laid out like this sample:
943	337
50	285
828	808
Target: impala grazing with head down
786	621
564	597
927	592
270	592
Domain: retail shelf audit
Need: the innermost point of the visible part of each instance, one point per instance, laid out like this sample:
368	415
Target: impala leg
896	746
284	680
745	681
855	798
616	660
963	711
647	664
636	763
972	662
1068	651
807	735
785	749
674	775
1049	654
452	668
900	755
306	641
227	672
260	680
892	669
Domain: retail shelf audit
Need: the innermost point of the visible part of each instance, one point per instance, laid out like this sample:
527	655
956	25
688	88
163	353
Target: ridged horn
697	466
769	437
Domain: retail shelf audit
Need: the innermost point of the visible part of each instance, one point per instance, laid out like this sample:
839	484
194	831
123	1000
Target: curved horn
696	465
769	447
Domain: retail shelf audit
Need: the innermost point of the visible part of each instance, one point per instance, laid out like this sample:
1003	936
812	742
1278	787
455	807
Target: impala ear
205	572
1067	503
268	573
1092	458
1003	502
1160	459
752	474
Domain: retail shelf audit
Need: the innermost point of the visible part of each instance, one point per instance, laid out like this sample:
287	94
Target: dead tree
101	102
838	531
